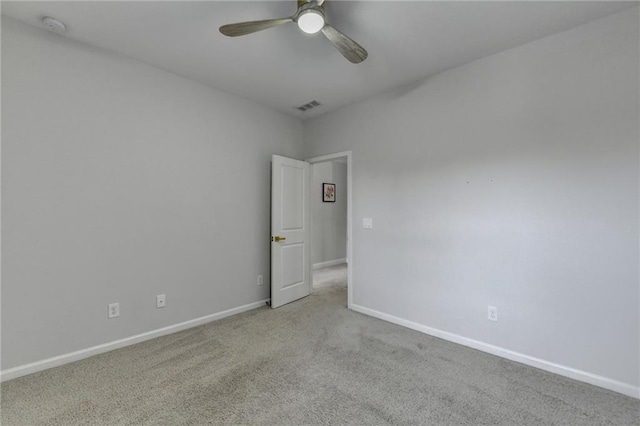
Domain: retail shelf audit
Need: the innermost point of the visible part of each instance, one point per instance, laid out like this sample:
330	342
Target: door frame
322	159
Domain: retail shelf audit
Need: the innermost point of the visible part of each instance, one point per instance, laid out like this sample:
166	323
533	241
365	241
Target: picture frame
329	192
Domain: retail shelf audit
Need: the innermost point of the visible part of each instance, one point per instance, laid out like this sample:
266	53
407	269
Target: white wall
510	181
121	181
328	220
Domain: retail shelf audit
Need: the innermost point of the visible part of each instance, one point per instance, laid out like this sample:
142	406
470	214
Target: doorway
331	259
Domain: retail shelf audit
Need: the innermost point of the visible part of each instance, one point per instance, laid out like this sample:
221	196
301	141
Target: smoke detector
52	24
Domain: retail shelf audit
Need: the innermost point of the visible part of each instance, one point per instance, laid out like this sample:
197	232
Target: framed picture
329	192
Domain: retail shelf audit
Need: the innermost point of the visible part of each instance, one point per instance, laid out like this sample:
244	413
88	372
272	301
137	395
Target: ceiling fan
310	19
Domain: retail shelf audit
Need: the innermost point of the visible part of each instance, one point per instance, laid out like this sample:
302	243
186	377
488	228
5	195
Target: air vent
308	106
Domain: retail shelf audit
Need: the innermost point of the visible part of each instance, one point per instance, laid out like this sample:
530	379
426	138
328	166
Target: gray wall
511	181
121	181
328	220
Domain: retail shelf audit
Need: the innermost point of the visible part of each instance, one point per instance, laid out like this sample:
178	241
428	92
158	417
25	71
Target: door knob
278	239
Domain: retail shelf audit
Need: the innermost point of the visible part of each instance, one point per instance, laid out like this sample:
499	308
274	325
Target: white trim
34	367
329	157
349	155
572	373
329	263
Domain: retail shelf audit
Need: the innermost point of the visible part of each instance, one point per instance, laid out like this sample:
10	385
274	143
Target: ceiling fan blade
243	28
349	48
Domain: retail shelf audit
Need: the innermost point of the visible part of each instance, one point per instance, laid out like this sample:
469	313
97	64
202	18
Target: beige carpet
330	276
309	362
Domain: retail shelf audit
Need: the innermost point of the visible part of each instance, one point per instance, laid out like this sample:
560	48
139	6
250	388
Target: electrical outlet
367	223
260	280
114	310
492	313
161	301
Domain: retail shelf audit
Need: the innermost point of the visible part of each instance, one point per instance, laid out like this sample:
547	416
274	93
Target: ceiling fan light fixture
311	21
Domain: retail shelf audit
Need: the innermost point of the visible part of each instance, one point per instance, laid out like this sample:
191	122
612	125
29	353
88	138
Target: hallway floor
330	276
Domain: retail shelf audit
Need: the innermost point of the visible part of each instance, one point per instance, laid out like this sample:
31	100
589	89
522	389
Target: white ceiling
281	67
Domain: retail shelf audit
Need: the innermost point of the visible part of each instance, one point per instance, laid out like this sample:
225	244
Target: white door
290	272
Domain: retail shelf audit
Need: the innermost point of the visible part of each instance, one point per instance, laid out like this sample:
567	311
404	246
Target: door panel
290	272
292	197
292	262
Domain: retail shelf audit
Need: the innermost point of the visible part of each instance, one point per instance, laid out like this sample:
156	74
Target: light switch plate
367	223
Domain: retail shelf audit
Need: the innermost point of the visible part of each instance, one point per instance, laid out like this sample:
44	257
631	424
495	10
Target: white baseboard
329	263
572	373
34	367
